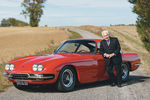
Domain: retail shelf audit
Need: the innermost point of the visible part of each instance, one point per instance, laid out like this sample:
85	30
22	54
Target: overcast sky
75	12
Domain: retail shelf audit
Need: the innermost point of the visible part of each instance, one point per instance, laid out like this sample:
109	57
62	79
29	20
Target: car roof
90	39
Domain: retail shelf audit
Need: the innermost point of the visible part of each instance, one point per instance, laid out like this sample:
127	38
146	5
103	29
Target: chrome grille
20	76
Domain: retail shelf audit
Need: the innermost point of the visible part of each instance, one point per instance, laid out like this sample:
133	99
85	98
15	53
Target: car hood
24	64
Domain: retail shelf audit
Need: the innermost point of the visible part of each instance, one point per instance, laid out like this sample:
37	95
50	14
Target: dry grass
129	40
22	41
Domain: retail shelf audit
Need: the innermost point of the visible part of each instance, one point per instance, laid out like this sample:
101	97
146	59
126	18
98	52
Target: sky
75	12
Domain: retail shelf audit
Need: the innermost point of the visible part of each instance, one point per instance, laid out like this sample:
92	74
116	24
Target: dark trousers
109	68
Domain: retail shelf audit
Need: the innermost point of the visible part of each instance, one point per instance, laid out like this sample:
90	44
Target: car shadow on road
133	79
52	89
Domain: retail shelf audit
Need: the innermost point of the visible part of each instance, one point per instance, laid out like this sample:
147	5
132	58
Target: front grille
31	76
20	76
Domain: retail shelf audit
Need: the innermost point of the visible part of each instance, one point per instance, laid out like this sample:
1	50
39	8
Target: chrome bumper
29	76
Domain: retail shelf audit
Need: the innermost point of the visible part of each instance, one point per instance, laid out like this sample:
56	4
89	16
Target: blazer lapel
110	41
105	43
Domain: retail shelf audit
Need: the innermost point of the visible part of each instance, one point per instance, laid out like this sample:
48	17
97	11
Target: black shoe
113	84
119	85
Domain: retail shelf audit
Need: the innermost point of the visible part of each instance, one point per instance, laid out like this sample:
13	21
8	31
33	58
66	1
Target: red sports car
75	61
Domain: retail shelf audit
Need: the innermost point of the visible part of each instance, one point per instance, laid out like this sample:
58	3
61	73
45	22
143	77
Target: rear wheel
67	79
125	71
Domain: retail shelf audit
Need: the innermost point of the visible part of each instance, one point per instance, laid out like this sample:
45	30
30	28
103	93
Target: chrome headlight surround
37	67
9	67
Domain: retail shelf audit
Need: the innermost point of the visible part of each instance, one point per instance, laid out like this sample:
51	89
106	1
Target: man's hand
106	55
111	55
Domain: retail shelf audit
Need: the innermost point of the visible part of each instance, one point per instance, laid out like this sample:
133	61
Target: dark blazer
114	47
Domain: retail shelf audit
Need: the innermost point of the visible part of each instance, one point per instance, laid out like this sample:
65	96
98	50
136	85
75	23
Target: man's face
105	36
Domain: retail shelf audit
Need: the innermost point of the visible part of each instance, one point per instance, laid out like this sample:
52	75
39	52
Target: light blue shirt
108	42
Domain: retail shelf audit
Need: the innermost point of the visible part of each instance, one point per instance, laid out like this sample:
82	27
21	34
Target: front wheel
67	79
125	71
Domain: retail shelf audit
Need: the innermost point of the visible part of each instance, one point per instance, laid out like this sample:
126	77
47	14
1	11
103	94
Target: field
20	41
129	40
23	41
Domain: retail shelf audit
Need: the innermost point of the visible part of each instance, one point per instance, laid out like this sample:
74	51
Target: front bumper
32	77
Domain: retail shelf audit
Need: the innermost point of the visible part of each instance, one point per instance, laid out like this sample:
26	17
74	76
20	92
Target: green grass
99	34
74	35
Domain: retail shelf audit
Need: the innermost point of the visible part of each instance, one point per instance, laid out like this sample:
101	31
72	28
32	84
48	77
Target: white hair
105	32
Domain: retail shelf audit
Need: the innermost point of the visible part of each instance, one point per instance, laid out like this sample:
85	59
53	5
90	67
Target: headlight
34	67
9	67
37	67
40	68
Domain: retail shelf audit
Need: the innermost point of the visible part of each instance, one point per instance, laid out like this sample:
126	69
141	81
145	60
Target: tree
142	9
33	9
5	23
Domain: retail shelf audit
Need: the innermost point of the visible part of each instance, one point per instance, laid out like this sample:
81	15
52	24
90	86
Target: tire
125	71
66	80
20	87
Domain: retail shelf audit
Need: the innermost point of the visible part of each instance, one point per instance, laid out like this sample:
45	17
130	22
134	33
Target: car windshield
77	46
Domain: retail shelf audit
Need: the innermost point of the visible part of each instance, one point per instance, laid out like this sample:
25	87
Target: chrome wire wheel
67	78
125	72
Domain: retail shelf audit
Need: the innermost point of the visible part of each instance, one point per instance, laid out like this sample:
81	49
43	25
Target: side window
69	47
98	44
82	47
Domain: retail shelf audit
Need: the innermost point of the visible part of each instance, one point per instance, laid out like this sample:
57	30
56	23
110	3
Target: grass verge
74	35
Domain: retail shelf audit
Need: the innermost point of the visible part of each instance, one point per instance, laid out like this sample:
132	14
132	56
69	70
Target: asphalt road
137	88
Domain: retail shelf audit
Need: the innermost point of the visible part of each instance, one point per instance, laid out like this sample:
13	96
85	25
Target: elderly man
110	49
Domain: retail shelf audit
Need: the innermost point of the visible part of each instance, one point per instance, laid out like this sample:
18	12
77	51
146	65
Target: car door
91	68
87	67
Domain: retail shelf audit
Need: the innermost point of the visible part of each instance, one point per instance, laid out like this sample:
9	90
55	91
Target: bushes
12	22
